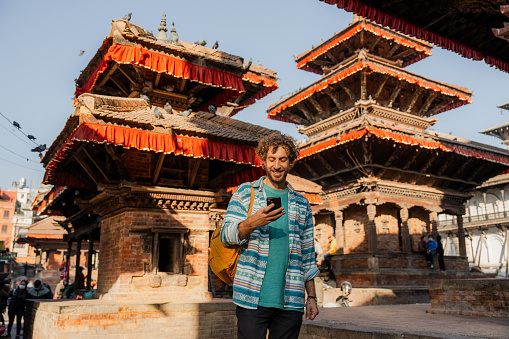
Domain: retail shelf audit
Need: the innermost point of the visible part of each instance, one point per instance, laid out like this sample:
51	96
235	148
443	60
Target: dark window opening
170	248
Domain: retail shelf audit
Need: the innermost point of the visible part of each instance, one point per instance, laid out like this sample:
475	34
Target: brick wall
479	297
94	319
125	271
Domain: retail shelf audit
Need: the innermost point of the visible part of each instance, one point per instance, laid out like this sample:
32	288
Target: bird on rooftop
81	52
158	114
186	113
146	98
167	107
39	149
212	109
215	45
31	137
168	88
16	125
128	16
201	42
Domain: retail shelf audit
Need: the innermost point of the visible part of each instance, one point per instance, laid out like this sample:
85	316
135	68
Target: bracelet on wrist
312	297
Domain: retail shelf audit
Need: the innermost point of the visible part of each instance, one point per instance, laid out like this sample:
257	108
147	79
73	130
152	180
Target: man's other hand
311	309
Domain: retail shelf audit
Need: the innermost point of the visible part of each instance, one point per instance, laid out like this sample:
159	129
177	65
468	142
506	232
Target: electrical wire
15	135
33	169
8	150
19	129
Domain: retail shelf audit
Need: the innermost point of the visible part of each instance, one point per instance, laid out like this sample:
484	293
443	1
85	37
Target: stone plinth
102	319
395	269
479	297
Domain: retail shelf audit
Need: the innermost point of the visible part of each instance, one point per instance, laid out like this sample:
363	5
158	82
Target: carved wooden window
168	252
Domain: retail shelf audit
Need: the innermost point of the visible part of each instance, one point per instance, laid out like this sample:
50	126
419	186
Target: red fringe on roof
367	27
151	141
162	63
405	27
375	68
403	139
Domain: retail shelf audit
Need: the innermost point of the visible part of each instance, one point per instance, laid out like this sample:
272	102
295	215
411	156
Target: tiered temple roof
131	61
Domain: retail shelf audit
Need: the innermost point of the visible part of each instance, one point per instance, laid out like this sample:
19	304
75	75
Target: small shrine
386	175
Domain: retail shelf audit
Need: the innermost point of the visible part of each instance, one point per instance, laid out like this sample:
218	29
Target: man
278	259
422	248
16	306
39	291
332	251
432	250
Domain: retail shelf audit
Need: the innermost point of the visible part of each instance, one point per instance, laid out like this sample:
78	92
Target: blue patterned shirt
253	259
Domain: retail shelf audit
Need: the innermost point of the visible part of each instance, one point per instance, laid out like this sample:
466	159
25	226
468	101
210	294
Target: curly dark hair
275	140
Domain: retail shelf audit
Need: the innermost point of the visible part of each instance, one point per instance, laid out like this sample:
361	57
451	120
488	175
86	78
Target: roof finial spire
174	37
161	36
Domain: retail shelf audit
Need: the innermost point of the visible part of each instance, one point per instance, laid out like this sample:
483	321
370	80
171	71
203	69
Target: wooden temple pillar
68	260
78	259
461	236
372	236
89	261
406	242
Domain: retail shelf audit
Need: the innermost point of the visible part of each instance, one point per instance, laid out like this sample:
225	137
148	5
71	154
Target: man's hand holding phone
262	217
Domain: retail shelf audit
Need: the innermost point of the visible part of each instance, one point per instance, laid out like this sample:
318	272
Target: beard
277	176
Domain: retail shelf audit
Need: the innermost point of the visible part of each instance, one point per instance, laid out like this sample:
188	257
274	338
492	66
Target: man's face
277	165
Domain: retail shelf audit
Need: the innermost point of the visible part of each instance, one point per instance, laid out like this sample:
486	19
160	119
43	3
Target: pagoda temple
385	174
145	160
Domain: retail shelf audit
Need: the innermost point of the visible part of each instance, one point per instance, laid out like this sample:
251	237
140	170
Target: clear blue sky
40	42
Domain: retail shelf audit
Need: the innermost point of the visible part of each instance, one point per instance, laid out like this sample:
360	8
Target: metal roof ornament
174	37
161	36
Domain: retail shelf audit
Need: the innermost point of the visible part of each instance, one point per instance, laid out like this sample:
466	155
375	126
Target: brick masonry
480	297
94	319
125	267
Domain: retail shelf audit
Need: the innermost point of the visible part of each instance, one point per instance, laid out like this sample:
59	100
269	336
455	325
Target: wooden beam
438	107
87	168
403	54
363	85
331	56
158	78
412	102
119	85
194	171
124	173
374	43
226	173
324	163
348	46
410	161
96	165
182	85
318	107
334	98
297	119
310	169
392	50
348	91
157	170
394	94
306	112
427	103
128	77
108	75
380	87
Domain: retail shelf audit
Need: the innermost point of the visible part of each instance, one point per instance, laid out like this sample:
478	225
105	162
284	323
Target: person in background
39	291
80	279
432	250
4	296
59	290
16	306
440	252
318	252
422	247
332	251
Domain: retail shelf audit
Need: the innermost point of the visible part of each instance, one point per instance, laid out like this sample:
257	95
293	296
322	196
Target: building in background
7	211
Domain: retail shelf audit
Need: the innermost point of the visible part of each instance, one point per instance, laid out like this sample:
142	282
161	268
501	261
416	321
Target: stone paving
400	321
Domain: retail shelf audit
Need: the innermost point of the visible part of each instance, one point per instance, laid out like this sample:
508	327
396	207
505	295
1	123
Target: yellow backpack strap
251	201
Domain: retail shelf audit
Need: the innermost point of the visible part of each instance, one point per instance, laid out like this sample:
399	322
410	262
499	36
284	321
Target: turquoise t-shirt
274	281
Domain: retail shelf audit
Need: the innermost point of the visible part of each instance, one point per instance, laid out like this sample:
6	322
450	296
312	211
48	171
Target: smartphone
275	201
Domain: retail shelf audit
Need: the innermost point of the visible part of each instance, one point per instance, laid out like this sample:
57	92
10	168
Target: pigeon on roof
167	107
212	109
16	125
201	42
146	98
215	45
186	113
40	148
128	16
158	114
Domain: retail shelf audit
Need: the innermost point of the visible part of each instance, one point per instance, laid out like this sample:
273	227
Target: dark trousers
282	324
441	262
18	315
